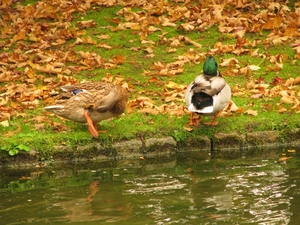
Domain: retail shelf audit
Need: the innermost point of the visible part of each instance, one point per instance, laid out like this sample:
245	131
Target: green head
210	67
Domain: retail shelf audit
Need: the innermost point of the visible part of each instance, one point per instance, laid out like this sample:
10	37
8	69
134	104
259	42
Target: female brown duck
90	103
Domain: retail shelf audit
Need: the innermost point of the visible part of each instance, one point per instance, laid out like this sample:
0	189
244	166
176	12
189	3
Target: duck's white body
215	88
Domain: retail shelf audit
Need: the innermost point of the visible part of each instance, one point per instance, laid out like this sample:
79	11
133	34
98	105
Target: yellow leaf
187	26
170	50
20	36
289	82
4	123
173	85
287	100
175	43
281	109
5	2
273	23
284	158
251	112
119	59
229	62
254	67
103	36
276	67
153	29
103	45
86	24
148	50
135	26
189	129
166	23
88	40
149	111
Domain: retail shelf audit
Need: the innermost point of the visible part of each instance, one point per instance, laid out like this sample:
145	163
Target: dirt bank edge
220	145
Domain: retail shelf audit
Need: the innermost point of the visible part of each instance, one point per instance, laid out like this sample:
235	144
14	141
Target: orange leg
91	125
194	121
228	108
214	122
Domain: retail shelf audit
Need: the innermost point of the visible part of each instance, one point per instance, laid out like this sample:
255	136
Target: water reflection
162	191
101	203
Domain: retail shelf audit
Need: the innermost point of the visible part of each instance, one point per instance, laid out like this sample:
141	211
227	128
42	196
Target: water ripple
158	184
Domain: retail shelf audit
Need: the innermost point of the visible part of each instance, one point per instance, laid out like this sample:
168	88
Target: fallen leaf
4	123
229	62
284	158
149	111
251	112
189	129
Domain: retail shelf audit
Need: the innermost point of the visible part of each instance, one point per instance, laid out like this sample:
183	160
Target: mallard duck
90	103
208	94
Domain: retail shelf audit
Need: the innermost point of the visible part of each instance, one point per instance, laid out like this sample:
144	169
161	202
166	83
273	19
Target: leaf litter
38	54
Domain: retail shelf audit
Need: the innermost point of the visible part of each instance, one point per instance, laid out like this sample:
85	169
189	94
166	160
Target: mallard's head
210	67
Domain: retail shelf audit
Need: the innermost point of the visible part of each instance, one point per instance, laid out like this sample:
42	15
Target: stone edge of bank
232	145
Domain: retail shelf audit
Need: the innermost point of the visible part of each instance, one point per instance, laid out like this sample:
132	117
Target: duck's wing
101	96
105	100
217	84
69	88
88	86
223	98
198	85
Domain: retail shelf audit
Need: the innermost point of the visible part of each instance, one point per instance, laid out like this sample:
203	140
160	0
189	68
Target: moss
228	141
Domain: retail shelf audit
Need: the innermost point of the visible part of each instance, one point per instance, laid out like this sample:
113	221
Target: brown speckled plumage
100	100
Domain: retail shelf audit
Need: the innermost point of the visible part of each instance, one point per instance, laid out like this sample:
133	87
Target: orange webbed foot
214	122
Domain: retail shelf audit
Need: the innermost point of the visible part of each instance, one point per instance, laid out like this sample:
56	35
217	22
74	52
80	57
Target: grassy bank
156	50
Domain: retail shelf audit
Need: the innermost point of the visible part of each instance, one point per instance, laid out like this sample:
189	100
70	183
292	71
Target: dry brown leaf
189	129
287	100
251	112
281	109
86	24
153	29
149	111
289	82
119	59
4	123
254	67
229	62
284	158
20	36
187	26
175	43
173	85
103	37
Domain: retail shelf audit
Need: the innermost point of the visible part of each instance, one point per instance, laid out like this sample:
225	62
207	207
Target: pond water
186	189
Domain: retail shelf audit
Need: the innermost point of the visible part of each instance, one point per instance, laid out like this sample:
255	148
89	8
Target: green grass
134	124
